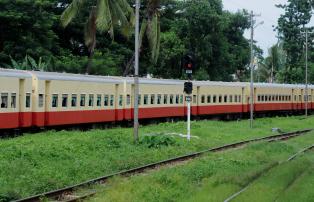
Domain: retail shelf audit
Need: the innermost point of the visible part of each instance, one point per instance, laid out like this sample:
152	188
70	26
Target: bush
157	141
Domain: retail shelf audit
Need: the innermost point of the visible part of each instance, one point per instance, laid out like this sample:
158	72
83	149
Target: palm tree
105	16
274	62
150	28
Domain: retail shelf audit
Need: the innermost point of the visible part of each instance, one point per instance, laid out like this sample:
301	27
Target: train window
225	98
269	97
208	99
139	99
295	98
230	99
40	100
181	99
214	99
4	100
203	99
263	98
13	100
165	99
300	98
194	99
91	100
259	98
64	100
310	97
82	101
220	99
74	100
145	99
158	99
54	100
177	99
120	100
111	100
152	99
128	99
171	99
240	100
28	100
235	98
106	100
98	100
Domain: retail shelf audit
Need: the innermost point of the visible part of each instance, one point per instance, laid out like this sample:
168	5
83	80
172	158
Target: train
35	99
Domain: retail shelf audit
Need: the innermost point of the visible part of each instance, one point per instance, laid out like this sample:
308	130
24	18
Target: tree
105	16
297	15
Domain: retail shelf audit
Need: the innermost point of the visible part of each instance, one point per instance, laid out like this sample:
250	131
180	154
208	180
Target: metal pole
306	78
136	79
252	61
189	120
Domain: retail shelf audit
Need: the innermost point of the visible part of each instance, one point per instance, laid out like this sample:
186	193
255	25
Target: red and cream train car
39	99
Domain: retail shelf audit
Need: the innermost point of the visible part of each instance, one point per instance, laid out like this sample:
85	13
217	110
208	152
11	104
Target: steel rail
60	193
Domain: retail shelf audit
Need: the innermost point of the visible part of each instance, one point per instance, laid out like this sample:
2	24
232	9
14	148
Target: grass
37	163
215	177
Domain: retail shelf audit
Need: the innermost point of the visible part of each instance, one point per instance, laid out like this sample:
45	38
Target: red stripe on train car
9	120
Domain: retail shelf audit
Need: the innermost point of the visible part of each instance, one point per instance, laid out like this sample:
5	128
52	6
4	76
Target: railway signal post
188	89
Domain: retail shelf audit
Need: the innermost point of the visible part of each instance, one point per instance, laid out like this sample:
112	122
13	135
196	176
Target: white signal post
188	101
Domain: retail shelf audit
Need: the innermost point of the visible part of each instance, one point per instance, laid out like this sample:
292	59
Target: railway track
291	158
67	194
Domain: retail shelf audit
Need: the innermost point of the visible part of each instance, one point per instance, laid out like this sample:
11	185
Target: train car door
47	101
21	101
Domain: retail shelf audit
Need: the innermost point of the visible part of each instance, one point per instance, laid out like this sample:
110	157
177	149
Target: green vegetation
41	162
215	177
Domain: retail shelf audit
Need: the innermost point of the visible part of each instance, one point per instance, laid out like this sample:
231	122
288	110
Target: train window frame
177	98
128	99
40	100
240	98
13	100
98	100
4	100
120	100
220	99
145	102
82	100
159	99
139	99
91	99
230	99
64	102
106	100
165	99
225	99
203	99
215	99
236	99
28	100
111	100
171	99
152	99
194	99
181	99
54	100
209	98
73	100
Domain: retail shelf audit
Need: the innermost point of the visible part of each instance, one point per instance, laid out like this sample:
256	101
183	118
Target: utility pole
306	32
253	26
136	72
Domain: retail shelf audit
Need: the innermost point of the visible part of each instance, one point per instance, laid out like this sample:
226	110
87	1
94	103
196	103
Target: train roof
75	77
14	73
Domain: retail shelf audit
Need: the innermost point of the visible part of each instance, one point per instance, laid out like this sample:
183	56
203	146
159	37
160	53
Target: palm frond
104	19
71	11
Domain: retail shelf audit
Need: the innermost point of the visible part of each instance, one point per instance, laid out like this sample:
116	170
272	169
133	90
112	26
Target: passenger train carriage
39	99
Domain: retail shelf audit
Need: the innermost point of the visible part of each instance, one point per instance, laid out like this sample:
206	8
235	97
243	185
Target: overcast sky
264	34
